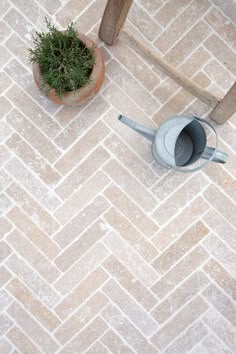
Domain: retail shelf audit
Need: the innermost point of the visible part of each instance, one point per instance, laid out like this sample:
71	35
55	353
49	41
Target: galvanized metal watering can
180	141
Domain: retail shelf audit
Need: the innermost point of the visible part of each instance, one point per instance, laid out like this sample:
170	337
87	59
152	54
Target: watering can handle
211	154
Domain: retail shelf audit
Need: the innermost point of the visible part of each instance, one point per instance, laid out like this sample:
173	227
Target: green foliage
65	62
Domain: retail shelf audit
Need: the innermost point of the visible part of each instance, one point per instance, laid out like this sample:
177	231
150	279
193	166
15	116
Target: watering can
180	141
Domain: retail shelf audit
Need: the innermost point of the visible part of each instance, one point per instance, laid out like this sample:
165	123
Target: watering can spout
148	133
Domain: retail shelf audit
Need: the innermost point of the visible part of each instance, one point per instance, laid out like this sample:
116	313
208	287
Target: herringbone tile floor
103	251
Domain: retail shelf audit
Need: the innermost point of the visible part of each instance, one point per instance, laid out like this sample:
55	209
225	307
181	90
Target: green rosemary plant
65	62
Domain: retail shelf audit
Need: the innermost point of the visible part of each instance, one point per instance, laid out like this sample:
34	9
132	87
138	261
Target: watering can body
180	141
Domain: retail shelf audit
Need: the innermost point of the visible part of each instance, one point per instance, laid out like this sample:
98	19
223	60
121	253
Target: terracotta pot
83	93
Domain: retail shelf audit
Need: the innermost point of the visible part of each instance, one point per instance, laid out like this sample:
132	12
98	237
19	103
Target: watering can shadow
179	141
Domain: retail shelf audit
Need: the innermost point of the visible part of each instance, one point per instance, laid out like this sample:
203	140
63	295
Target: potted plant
67	66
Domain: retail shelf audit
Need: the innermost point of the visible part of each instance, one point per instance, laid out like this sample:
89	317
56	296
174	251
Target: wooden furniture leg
113	19
226	108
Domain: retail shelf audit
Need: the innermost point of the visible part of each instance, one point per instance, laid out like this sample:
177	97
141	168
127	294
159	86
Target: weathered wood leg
226	108
113	19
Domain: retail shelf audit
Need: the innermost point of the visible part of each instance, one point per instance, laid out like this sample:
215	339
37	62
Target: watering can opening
190	144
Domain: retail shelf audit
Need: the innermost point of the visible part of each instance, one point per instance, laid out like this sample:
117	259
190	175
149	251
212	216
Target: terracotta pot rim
90	88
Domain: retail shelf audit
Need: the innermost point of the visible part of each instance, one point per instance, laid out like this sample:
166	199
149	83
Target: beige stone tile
135	64
82	122
183	245
31	183
20	25
31	254
182	269
81	197
188	340
33	233
221	252
92	15
70	10
24	79
87	264
5	204
5	131
202	80
42	289
32	328
5	346
5	56
4	7
221	178
5	251
181	24
5	179
221	302
66	114
35	211
221	24
5	323
144	22
218	74
130	308
221	327
33	12
166	89
5	154
33	160
168	184
221	277
195	62
21	341
33	135
179	322
130	234
5	275
130	185
221	51
33	305
151	6
131	87
212	344
81	293
130	160
186	45
131	211
130	282
5	31
135	263
221	203
5	106
78	248
221	227
97	348
89	334
78	320
138	143
181	222
82	173
179	297
169	11
81	221
126	330
174	106
115	344
180	198
33	112
82	148
5	300
5	226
